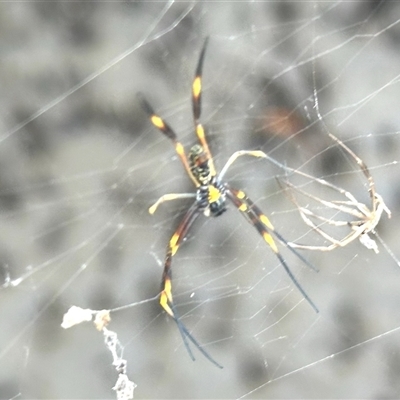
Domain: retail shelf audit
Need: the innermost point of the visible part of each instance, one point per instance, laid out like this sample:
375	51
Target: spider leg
160	124
169	197
357	209
377	201
235	156
187	335
196	103
363	167
196	85
263	225
359	229
368	218
356	232
166	300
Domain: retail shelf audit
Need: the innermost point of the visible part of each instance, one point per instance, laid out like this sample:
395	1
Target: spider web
81	164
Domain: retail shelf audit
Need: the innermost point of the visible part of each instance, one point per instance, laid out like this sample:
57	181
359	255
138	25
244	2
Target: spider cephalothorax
199	163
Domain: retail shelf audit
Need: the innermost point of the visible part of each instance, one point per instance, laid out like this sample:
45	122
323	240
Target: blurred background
81	164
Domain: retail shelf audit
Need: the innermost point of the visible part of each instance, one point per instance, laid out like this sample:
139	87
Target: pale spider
365	219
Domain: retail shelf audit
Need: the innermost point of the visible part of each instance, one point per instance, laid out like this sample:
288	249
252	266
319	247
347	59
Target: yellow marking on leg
213	194
240	195
196	87
200	131
168	289
166	297
164	304
157	121
172	244
264	219
243	207
179	149
270	241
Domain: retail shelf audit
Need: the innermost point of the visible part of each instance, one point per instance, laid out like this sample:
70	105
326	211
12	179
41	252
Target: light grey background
80	164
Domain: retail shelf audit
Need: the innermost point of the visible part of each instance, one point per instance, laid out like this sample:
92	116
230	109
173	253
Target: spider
210	199
366	219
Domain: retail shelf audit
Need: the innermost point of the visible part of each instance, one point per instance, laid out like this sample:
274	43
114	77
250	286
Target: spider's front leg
236	155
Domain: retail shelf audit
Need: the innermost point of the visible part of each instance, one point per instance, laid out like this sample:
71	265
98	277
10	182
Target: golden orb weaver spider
210	199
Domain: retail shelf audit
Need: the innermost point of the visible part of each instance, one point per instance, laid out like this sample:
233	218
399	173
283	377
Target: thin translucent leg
169	197
236	155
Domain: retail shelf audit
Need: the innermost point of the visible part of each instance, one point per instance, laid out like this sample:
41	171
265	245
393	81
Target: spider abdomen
211	199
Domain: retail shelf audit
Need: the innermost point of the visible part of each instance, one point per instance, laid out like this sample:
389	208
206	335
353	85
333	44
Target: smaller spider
210	199
366	219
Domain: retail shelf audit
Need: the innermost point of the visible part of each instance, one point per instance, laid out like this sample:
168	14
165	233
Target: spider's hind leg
263	225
